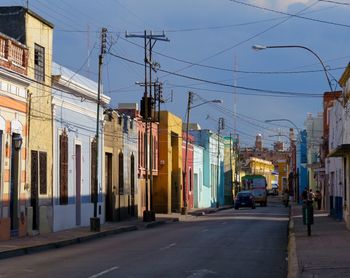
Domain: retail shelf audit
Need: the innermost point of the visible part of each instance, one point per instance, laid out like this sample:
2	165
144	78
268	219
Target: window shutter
64	169
43	172
34	176
93	170
121	173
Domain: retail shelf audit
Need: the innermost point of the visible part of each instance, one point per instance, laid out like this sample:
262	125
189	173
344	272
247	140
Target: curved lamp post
284	120
189	107
263	47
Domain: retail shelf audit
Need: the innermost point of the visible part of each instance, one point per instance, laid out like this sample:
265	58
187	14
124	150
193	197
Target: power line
293	15
335	2
228	69
218	83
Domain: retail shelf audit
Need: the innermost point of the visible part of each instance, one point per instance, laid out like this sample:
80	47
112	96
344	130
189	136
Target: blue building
74	105
213	185
302	171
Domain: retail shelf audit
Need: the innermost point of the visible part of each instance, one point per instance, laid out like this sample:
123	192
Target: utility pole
95	221
220	127
148	115
231	168
184	193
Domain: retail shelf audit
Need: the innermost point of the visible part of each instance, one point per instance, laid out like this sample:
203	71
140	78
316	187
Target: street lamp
189	107
263	47
284	120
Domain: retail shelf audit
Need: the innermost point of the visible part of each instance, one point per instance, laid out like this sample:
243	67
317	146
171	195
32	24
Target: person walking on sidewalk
318	198
311	197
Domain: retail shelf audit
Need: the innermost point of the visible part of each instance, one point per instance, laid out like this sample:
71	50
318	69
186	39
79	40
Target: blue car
244	199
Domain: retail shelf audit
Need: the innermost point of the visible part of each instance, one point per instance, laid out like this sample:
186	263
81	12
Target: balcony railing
13	55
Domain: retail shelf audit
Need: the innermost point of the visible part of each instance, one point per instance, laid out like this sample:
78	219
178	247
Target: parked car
260	196
245	199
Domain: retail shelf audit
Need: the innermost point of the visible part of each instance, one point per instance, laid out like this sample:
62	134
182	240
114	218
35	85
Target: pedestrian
286	197
318	198
304	195
310	197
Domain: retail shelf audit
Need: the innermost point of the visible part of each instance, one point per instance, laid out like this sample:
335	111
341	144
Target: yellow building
283	170
167	190
36	33
263	167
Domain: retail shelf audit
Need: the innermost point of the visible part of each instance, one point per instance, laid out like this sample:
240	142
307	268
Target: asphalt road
229	243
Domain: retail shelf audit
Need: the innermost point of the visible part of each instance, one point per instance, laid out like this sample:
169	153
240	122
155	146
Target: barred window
2	48
64	168
93	165
39	62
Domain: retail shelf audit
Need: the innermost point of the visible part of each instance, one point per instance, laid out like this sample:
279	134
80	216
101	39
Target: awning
340	151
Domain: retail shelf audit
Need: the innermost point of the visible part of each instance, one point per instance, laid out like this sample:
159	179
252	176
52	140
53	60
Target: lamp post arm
311	51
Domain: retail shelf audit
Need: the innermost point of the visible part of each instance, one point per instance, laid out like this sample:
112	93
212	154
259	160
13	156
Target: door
195	189
109	191
14	186
34	198
132	185
78	184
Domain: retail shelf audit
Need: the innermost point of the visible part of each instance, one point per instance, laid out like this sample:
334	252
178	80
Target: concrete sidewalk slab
324	253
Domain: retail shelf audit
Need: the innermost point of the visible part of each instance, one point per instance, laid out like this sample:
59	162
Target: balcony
13	55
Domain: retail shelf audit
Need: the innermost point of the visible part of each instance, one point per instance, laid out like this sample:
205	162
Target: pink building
131	109
189	177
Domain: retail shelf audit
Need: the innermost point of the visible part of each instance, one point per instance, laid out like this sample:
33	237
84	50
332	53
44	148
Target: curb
208	211
293	266
59	244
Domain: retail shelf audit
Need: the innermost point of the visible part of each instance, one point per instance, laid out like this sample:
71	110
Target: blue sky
213	33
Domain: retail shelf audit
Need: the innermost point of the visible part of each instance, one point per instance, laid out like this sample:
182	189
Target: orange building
13	137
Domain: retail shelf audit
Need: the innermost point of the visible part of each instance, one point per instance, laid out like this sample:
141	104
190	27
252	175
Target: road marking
205	230
169	246
104	272
223	223
200	273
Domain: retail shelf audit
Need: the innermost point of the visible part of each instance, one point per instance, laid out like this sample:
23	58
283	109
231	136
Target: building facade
14	193
167	190
147	157
199	191
213	165
36	33
188	176
121	156
74	156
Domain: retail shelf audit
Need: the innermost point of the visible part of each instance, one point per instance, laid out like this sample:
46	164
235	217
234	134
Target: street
229	243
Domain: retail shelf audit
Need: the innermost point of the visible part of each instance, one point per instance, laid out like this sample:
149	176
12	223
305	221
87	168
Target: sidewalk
323	254
32	244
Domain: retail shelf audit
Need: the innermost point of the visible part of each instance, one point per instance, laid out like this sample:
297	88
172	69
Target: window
132	174
39	62
93	170
39	172
121	173
43	172
64	168
190	179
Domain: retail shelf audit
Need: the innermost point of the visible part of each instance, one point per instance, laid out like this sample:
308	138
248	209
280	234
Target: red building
188	193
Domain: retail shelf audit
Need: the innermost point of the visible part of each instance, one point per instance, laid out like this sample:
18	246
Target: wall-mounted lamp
17	141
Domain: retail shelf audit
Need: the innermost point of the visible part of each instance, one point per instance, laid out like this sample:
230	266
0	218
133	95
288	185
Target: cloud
281	5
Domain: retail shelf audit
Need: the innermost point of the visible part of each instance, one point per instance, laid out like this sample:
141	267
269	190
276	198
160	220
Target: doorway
109	191
34	197
14	185
78	185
